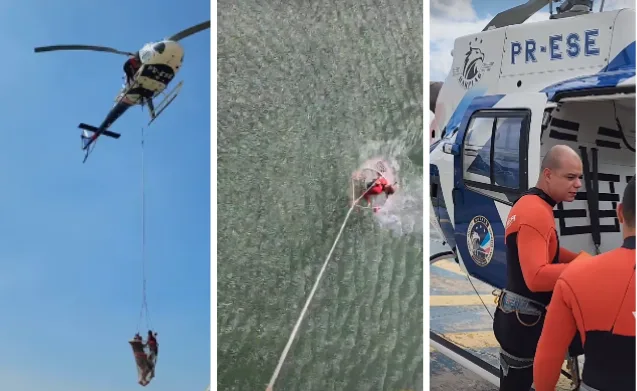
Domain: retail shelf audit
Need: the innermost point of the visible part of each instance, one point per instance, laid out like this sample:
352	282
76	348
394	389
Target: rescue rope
144	309
480	297
309	299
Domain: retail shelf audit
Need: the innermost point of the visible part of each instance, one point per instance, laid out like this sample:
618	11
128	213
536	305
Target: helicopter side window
477	150
506	152
493	153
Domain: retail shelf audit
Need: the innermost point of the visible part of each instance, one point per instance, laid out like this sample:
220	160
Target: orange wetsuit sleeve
533	248
566	255
557	334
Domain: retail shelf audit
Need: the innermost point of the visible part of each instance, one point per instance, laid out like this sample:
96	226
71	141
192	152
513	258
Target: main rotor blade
81	47
190	31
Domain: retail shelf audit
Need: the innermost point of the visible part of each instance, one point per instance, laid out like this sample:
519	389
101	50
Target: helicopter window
493	155
159	47
506	152
477	150
146	55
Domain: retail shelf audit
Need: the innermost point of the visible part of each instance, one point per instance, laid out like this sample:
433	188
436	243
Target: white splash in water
401	213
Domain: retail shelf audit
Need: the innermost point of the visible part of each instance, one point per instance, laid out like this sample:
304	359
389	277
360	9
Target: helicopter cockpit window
145	55
159	47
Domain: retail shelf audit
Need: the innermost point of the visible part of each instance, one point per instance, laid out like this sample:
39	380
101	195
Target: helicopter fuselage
160	63
509	95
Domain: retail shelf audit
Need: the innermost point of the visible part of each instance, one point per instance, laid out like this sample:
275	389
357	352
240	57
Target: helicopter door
498	136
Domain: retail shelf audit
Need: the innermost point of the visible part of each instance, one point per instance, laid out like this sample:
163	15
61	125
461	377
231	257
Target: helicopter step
97	130
168	98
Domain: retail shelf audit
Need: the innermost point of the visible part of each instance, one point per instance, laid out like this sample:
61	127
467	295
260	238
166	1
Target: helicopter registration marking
558	47
160	75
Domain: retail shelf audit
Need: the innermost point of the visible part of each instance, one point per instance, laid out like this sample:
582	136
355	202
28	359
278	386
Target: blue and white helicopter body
515	90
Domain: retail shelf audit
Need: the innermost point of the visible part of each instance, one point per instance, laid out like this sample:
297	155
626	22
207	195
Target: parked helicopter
515	90
148	73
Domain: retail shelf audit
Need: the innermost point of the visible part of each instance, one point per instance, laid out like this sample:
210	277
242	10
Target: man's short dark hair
628	201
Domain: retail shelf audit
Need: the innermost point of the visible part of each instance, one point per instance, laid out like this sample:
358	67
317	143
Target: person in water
595	296
535	260
376	187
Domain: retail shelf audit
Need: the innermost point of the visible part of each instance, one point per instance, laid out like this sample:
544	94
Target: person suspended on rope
131	66
378	186
151	341
141	359
153	350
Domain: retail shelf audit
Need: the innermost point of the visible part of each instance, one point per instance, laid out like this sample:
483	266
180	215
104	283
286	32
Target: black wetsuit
533	266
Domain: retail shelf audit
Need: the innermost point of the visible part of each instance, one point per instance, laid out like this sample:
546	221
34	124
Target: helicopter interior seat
603	133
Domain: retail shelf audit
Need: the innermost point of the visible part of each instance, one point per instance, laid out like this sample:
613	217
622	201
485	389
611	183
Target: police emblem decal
480	240
473	67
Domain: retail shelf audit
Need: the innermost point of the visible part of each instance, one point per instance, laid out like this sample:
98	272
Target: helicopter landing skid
168	98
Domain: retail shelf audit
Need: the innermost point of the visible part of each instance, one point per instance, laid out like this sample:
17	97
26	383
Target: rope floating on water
309	299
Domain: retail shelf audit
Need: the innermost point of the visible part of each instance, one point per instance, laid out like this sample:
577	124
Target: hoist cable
144	308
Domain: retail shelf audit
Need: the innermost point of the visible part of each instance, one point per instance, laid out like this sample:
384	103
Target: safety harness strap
509	302
509	361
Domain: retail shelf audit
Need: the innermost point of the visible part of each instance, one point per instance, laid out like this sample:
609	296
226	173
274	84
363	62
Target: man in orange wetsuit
380	185
534	262
595	296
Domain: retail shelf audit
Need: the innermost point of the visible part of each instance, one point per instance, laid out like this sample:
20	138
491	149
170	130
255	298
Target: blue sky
450	19
70	234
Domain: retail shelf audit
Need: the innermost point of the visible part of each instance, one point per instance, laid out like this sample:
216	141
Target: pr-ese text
559	47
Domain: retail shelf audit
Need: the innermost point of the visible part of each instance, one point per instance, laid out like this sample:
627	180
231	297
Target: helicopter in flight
515	90
148	73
